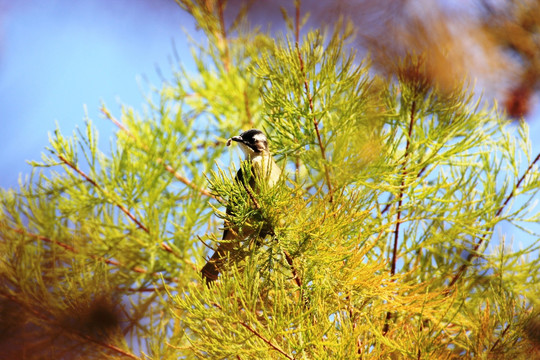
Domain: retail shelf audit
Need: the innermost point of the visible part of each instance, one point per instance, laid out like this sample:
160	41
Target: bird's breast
266	168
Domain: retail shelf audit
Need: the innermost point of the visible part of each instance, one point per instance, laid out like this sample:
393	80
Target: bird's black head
251	141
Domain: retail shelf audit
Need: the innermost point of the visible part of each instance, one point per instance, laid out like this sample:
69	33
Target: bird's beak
235	138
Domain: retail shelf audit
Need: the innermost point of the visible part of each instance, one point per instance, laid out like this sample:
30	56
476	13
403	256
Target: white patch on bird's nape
259	137
260	142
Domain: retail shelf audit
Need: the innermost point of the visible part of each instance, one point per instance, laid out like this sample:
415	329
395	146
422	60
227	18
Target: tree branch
275	347
473	253
167	167
109	346
96	185
75	251
503	333
251	196
296	277
404	173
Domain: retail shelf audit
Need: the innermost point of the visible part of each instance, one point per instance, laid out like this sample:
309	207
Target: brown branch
275	347
387	206
111	262
401	190
109	116
167	167
75	251
404	173
386	326
167	248
296	277
142	290
184	180
109	346
251	196
473	253
499	338
203	146
95	184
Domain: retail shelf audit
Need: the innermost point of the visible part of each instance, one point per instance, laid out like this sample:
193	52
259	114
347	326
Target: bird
254	145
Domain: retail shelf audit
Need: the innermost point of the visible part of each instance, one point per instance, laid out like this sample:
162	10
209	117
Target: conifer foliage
382	237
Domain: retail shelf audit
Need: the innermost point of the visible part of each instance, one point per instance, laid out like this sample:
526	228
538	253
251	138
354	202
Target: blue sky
56	56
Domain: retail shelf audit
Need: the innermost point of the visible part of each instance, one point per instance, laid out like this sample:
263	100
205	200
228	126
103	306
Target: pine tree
381	240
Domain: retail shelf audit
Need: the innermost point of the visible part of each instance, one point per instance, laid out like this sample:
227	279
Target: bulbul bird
254	145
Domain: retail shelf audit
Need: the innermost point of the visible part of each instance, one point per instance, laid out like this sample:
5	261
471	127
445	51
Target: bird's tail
211	269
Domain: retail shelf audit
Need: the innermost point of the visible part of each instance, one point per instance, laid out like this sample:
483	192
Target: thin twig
404	173
251	196
109	346
109	116
473	253
167	248
204	146
142	290
386	207
75	251
95	184
296	277
275	347
507	327
386	326
184	180
167	167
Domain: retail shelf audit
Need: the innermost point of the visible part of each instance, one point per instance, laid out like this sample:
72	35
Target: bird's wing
229	239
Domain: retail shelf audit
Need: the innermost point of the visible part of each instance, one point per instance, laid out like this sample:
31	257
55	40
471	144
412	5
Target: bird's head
252	142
